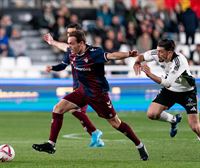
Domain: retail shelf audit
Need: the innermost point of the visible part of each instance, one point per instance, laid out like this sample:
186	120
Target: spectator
59	28
47	20
3	42
105	14
63	11
74	19
109	47
5	50
116	25
97	41
112	36
6	22
99	29
156	36
17	43
144	42
120	10
171	26
190	23
131	34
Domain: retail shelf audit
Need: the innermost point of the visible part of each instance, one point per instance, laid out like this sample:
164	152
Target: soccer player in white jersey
178	85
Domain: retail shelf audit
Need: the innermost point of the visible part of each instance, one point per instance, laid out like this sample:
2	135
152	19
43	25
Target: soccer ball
7	153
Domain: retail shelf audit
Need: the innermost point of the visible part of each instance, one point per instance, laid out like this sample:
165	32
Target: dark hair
79	35
75	25
167	44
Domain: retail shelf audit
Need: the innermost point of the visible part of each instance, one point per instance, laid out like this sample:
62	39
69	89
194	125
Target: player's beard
161	59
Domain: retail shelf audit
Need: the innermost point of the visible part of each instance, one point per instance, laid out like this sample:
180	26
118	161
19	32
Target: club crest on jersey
86	60
93	49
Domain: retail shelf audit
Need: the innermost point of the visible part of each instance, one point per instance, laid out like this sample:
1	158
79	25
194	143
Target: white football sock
164	116
52	143
140	145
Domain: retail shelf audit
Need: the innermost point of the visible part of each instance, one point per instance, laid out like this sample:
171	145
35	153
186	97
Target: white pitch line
79	136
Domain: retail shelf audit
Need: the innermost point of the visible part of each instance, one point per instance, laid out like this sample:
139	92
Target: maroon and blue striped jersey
88	70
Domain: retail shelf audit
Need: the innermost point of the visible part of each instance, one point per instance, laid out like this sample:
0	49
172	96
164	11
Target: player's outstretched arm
121	55
58	67
137	64
145	68
48	68
60	45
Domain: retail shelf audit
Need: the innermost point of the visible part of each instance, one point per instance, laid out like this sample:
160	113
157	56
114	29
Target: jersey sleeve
66	59
59	67
98	55
149	55
175	72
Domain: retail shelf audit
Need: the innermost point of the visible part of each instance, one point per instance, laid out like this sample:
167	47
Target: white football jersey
177	71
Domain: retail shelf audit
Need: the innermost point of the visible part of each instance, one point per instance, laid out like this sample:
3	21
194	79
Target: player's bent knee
151	116
58	109
115	125
194	127
115	122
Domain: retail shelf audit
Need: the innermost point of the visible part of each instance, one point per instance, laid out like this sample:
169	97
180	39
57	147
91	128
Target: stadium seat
7	63
18	74
23	62
182	37
5	73
33	74
197	38
184	49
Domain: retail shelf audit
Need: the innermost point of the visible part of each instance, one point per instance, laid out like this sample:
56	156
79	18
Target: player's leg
128	131
156	111
56	125
193	120
89	127
189	102
104	108
84	120
71	101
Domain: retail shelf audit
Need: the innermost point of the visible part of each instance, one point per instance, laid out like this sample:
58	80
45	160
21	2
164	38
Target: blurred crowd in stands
117	27
11	43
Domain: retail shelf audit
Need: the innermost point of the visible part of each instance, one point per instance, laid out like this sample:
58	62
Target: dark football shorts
101	103
186	99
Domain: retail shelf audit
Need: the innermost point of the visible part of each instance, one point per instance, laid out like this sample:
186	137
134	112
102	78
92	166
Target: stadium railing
9	68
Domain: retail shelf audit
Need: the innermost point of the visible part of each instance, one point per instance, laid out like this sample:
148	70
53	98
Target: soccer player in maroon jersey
88	63
80	114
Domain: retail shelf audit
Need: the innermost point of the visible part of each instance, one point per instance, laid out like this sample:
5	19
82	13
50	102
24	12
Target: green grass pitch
21	130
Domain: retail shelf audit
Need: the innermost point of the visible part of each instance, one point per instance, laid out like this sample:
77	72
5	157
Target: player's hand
145	68
137	68
48	68
133	53
48	38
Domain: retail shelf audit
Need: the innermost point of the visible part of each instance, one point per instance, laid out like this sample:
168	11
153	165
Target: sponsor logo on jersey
93	49
82	69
